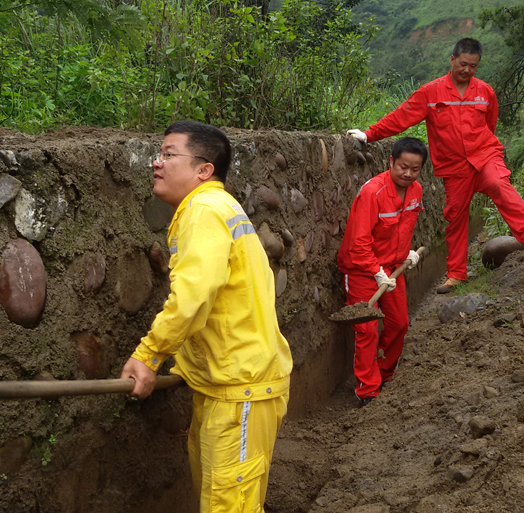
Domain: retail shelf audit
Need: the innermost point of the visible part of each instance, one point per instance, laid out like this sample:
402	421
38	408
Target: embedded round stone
281	161
134	280
157	258
318	205
301	250
298	202
9	187
287	237
272	244
23	283
325	161
95	354
360	158
269	197
496	250
13	454
157	214
95	272
281	282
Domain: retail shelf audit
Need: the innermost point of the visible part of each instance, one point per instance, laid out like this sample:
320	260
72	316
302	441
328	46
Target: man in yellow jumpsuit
219	323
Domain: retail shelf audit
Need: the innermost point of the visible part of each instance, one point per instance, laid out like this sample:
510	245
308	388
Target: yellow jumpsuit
219	322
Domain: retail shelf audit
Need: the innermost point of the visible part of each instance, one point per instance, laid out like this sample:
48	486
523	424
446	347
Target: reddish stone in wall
268	197
95	272
13	454
95	354
134	281
157	259
22	283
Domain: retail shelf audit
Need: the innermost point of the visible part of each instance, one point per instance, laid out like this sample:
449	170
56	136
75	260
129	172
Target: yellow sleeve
201	272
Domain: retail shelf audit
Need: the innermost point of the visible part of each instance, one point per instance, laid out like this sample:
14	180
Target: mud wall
77	220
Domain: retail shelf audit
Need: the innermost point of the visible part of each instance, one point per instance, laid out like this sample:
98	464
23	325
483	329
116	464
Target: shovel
365	312
50	389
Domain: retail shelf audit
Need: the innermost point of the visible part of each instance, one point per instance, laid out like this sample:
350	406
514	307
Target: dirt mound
447	434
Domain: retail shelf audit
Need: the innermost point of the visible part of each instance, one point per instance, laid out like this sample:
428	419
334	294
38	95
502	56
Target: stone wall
83	273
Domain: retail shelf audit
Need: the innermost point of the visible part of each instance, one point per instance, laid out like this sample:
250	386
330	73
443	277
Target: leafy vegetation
509	81
142	64
416	38
393	94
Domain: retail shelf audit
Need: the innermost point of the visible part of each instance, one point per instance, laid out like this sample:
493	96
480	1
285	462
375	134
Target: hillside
417	36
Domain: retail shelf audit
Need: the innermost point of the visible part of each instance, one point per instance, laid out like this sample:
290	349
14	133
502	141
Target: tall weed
219	62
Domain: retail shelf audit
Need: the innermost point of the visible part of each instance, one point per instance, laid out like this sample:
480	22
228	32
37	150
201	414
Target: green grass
480	281
480	284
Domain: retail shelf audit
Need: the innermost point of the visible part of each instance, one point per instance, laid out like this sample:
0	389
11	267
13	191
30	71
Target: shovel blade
356	314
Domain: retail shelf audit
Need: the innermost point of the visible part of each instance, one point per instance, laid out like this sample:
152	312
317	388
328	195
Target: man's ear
206	171
391	161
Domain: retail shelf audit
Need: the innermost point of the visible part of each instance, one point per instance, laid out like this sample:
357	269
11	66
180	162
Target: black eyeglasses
168	156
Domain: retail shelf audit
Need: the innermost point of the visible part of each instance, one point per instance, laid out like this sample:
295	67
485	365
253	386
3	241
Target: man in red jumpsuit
376	241
461	115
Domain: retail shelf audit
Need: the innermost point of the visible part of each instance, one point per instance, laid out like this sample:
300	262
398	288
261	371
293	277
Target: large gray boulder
496	250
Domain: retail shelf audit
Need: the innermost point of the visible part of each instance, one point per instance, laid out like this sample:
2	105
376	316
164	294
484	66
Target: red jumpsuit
378	233
464	152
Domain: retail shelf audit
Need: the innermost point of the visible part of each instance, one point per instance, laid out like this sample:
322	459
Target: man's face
175	178
464	67
405	170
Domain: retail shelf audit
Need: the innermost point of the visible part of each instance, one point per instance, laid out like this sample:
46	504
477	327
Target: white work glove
382	278
357	134
413	256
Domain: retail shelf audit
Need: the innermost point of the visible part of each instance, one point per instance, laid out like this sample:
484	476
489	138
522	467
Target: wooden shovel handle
394	274
49	389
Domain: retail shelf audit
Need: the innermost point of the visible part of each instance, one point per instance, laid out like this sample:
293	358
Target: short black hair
206	141
409	145
467	45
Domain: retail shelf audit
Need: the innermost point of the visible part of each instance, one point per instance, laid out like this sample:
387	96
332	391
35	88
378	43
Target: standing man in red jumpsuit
461	115
376	241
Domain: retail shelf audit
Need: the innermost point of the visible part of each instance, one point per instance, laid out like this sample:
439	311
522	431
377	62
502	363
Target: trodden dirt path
446	435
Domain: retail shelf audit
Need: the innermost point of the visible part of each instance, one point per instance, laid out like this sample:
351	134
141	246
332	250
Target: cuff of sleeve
145	355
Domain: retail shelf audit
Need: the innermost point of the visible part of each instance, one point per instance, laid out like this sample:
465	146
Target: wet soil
445	435
359	312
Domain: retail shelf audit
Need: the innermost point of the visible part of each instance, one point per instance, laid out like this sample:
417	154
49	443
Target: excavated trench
77	205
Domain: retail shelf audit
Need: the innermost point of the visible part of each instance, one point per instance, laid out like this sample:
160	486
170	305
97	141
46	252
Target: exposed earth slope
446	435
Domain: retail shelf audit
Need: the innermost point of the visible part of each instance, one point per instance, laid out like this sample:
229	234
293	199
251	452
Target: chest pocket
441	115
386	227
410	218
479	115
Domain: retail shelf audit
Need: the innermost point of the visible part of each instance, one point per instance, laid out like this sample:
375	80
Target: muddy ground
413	449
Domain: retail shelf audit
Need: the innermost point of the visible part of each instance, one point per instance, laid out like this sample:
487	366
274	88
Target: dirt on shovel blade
357	313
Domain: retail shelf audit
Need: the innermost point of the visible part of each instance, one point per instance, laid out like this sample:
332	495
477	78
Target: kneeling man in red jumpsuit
377	240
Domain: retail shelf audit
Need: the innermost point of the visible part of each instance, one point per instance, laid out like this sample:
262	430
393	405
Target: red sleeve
409	113
363	218
493	112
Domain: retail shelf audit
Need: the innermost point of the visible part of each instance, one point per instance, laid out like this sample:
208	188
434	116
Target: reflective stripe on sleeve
237	219
242	229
